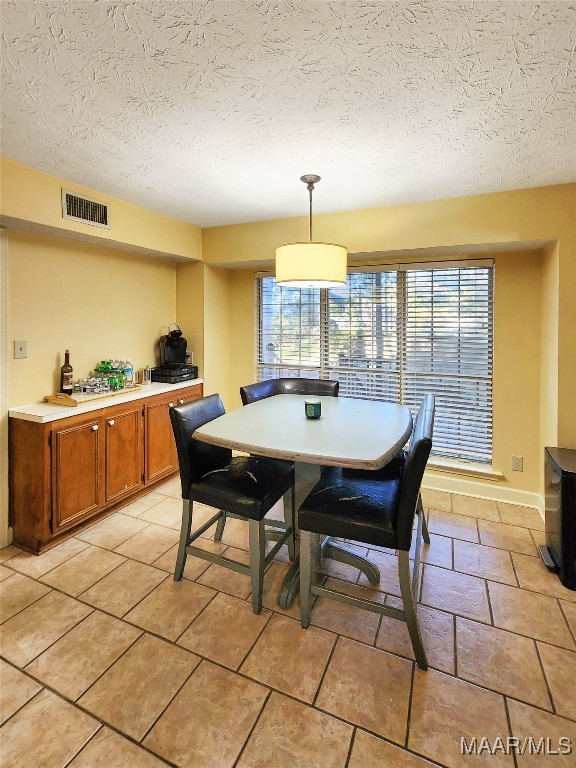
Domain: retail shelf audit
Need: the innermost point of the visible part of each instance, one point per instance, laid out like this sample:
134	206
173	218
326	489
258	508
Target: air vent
84	209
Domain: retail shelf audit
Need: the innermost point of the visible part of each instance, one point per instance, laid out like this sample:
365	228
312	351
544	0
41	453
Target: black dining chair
241	487
286	386
375	508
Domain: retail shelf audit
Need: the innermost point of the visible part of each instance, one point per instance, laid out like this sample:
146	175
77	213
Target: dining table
351	433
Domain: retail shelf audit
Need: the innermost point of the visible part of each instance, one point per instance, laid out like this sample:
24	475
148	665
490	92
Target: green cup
312	408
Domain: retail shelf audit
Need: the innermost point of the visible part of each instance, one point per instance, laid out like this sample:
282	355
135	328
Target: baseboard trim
483	490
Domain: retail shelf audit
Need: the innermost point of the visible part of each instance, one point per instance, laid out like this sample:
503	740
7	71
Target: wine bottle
66	373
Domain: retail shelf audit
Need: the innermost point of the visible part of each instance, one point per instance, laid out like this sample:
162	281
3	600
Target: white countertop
351	433
45	412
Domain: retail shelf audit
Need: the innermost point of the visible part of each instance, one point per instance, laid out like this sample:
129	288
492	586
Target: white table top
360	434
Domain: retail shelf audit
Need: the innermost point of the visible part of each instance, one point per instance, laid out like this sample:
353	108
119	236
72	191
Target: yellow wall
30	198
95	301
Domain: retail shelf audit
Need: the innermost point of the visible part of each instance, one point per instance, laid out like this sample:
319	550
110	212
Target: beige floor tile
30	632
73	663
236	534
371	752
444	710
15	690
560	668
485	562
569	610
292	735
167	513
194	565
526	517
533	575
225	631
500	660
110	750
529	614
171	607
471	506
36	566
200	515
355	623
438	552
290	658
214	740
5	573
112	531
18	592
539	538
7	553
528	722
227	580
135	690
171	488
449	524
48	731
136	508
83	570
436	500
368	687
510	537
148	545
436	627
388	566
216	547
455	593
120	590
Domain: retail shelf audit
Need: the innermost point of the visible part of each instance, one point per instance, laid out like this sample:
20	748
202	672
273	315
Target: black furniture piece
262	389
559	553
242	487
373	508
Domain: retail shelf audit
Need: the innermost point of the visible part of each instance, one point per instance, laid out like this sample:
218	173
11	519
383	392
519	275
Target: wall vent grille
85	210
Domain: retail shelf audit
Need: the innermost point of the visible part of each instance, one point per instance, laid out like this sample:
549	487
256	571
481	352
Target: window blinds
394	334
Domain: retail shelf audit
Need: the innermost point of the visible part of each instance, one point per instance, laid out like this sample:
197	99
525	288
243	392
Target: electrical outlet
20	349
518	463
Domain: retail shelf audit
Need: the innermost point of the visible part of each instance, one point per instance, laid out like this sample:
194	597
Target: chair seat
353	507
247	486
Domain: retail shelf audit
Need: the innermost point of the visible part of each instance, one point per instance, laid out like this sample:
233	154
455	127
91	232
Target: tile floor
106	661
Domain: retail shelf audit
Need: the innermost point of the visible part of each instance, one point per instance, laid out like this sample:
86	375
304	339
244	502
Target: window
394	333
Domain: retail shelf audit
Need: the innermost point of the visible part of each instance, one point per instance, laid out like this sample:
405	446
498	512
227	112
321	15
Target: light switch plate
20	349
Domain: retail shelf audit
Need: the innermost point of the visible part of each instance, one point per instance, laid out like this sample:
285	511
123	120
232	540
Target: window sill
470	469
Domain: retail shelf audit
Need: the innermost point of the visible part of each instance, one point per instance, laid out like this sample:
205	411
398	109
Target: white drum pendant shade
311	265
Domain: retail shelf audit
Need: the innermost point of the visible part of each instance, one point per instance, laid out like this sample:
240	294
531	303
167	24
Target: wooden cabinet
65	473
76	473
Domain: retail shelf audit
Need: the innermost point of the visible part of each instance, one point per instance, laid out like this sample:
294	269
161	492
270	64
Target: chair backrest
411	480
195	458
285	386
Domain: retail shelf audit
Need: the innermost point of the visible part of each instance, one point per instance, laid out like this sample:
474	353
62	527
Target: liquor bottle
66	373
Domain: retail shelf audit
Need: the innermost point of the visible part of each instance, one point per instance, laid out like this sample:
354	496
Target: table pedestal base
291	583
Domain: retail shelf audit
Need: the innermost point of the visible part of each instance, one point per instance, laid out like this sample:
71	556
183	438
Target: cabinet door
160	448
76	473
123	441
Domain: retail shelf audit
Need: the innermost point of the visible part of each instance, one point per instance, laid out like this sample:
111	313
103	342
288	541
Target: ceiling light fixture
311	265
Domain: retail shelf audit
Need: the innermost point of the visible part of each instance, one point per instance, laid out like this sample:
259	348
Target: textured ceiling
211	111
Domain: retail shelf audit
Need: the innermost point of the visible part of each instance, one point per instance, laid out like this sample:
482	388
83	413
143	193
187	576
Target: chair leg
309	555
420	509
290	520
220	526
257	542
184	538
410	608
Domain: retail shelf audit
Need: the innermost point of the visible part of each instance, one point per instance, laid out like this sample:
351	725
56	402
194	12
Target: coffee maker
173	368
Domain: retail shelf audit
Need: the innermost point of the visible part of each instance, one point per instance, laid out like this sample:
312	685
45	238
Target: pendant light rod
310	179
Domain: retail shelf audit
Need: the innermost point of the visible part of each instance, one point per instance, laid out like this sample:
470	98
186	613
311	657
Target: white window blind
394	334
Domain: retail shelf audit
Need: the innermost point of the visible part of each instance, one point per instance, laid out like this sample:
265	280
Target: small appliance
173	368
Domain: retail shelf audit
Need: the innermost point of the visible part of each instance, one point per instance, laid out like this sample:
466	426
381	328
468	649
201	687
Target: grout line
548	688
350	747
21	707
256	721
328	662
509	721
455	642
